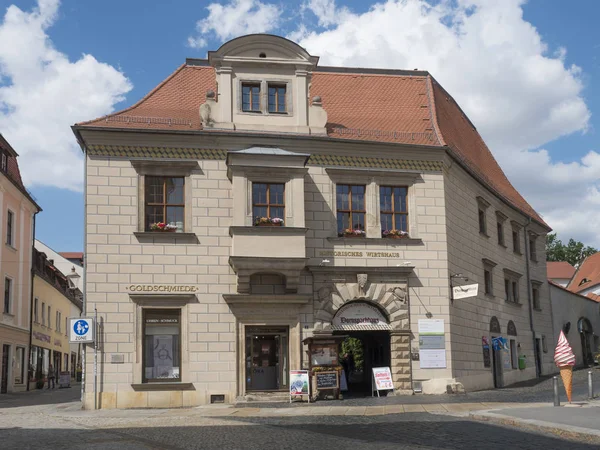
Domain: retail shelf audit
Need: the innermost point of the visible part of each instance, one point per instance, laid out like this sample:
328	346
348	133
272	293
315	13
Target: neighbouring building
586	280
56	298
75	257
560	272
579	317
256	198
17	218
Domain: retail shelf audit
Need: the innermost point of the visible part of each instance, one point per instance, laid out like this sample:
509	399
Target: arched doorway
496	332
584	327
367	346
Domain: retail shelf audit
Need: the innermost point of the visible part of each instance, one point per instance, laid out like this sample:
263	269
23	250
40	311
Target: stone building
17	216
299	200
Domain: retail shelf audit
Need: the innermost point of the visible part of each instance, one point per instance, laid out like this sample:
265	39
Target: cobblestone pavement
49	428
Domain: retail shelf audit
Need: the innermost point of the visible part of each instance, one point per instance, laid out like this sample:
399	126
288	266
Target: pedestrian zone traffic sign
81	330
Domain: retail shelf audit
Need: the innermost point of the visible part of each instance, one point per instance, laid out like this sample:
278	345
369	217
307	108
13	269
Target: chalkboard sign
327	380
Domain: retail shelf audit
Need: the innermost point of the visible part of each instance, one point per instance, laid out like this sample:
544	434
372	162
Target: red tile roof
560	269
71	255
587	275
13	165
399	107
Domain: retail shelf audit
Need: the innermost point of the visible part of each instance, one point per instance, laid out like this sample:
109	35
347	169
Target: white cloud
235	19
518	93
42	94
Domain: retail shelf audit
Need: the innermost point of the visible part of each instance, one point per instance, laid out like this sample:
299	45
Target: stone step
264	397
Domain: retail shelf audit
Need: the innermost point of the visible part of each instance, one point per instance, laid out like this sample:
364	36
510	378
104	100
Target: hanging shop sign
299	384
359	316
466	291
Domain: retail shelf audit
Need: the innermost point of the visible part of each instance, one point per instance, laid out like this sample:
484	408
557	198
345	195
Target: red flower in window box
394	234
163	227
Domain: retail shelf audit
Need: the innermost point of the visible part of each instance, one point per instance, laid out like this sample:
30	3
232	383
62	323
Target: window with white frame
10	228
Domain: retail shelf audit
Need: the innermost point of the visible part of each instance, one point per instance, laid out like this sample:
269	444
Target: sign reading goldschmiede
160	288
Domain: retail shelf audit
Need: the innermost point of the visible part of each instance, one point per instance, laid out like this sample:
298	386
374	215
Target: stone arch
584	325
390	298
495	325
511	329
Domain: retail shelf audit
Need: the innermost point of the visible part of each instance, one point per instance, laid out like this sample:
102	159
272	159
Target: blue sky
548	122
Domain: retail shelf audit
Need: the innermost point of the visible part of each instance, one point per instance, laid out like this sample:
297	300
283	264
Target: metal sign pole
95	358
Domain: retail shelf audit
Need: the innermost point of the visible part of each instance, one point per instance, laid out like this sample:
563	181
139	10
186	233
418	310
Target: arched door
496	332
586	333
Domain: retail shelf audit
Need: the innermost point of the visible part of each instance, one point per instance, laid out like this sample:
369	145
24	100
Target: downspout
530	295
31	297
84	290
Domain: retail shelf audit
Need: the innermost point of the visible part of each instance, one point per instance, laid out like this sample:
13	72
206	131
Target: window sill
515	304
502	245
375	241
11	247
159	386
7	314
164	237
266	230
490	296
485	235
537	309
518	253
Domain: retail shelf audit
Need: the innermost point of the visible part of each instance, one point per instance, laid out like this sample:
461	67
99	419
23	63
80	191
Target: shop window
7	295
19	368
268	203
350	205
162	345
10	222
251	97
393	208
165	202
277	98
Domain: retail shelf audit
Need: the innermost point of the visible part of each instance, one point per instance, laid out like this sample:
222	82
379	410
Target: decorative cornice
129	151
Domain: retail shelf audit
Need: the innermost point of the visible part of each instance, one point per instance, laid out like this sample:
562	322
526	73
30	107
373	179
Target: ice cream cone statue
565	360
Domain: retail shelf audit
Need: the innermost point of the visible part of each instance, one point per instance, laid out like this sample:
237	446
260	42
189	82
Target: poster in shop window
163	357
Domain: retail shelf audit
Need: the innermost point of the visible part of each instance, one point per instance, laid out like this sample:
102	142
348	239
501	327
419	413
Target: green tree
574	252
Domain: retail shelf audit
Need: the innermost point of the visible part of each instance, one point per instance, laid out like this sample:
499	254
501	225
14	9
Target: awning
362	327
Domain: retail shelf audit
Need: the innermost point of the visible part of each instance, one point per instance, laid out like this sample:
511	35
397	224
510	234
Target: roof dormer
263	84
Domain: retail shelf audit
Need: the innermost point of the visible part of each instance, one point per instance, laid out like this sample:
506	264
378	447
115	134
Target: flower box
394	234
161	227
268	222
348	233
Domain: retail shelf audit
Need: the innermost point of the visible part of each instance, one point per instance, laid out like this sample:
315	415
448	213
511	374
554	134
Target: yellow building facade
54	301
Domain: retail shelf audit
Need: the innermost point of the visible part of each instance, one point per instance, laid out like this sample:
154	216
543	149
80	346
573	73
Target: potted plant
268	222
349	232
394	234
163	227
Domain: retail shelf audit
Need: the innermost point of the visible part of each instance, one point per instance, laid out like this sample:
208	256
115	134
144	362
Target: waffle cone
566	373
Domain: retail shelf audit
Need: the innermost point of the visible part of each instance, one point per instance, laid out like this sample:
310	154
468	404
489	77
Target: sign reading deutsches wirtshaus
81	330
465	291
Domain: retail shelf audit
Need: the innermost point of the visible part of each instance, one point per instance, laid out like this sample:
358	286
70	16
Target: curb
564	431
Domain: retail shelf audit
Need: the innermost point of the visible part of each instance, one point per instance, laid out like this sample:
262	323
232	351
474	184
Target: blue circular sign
81	327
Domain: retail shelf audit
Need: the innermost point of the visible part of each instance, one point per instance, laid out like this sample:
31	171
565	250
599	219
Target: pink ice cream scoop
563	355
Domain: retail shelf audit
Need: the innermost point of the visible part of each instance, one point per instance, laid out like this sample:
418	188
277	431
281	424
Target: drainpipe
530	295
31	297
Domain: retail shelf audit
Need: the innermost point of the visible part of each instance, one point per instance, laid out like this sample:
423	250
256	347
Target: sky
527	73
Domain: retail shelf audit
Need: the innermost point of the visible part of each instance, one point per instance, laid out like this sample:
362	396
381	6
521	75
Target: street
54	420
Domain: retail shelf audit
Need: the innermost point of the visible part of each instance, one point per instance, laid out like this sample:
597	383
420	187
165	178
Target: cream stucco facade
220	282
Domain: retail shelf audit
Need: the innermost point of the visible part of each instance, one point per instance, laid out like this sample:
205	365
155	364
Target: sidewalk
581	419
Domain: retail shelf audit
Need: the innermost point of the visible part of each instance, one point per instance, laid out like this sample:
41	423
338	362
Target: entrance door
497	365
5	354
266	359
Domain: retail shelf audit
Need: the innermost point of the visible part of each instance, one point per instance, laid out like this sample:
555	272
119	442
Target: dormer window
277	103
4	162
251	97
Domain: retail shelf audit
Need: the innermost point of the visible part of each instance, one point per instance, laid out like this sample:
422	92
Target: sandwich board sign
382	380
82	330
299	384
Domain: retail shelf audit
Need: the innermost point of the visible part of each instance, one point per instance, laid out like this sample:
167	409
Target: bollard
555	384
590	386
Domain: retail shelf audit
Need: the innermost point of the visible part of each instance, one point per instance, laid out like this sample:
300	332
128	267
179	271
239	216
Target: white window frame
10	215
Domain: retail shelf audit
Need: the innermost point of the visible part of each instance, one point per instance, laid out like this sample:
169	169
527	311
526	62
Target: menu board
327	380
383	378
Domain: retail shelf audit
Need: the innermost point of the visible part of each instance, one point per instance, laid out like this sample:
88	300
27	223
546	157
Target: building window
482	222
536	297
393	208
7	295
43	314
49	317
19	369
487	276
66	326
251	97
268	201
500	227
544	344
350	205
165	201
162	345
514	356
507	290
58	321
277	98
10	219
36	310
516	241
4	164
515	292
532	249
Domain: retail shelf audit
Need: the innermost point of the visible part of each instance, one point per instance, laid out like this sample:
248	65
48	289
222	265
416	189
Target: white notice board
432	359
